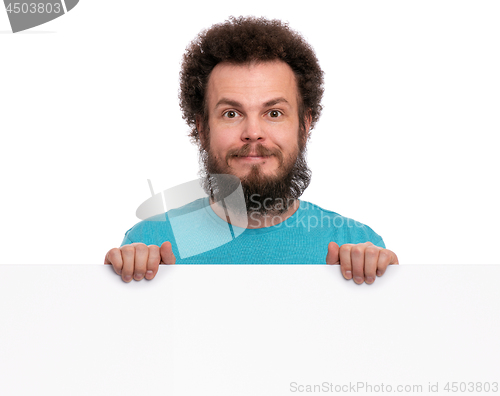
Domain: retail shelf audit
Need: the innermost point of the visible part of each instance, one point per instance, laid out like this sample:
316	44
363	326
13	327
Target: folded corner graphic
24	15
196	227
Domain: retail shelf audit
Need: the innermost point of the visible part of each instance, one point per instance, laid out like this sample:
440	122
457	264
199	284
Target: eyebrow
275	101
229	102
234	103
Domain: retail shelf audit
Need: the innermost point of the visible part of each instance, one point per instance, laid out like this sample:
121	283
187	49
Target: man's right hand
138	260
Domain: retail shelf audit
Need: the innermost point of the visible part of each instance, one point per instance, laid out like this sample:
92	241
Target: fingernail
348	274
379	273
358	279
370	280
149	274
138	276
127	278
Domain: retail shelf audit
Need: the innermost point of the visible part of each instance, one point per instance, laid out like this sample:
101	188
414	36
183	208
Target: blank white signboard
248	330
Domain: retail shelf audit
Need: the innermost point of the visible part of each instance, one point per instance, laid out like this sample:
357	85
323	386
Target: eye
230	114
275	113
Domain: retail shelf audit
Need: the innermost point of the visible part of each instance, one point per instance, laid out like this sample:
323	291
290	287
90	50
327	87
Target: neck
253	219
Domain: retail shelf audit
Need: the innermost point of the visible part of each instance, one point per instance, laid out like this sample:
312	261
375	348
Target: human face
253	119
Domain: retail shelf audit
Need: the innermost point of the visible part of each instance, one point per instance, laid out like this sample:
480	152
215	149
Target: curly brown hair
242	40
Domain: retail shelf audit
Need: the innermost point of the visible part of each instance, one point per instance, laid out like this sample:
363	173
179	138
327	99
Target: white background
407	142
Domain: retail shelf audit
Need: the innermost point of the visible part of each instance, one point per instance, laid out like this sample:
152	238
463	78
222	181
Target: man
251	92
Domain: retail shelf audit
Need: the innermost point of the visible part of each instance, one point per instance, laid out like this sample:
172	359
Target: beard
263	194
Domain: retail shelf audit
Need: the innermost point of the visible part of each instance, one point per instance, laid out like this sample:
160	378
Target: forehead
253	83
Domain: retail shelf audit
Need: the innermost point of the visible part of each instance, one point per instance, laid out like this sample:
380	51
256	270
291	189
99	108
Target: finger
371	261
345	260
358	263
386	257
154	259
140	260
332	257
167	256
394	258
128	253
114	257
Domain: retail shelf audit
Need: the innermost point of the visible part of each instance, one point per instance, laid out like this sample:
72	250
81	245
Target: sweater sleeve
126	240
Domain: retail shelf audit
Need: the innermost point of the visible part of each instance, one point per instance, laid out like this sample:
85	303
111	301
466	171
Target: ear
308	121
199	128
307	125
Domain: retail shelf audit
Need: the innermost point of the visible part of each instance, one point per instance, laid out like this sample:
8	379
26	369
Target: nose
253	130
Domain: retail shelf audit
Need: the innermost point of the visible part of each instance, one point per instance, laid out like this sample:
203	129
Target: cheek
219	153
220	145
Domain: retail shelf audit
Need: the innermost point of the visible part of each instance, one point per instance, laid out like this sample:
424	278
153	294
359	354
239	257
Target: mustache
260	150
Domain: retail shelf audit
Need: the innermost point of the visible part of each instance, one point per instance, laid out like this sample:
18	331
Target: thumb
167	256
333	254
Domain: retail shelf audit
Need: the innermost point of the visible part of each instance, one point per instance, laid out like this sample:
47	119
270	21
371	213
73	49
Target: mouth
252	157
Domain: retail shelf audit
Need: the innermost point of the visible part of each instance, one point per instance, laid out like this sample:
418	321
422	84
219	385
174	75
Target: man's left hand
362	261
